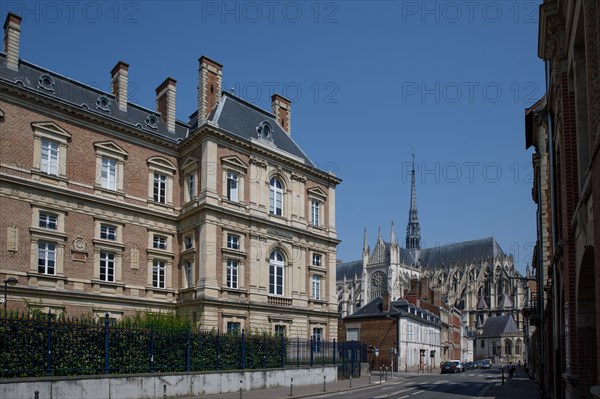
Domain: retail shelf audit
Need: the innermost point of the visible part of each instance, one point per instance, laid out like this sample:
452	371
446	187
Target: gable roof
348	270
494	326
460	253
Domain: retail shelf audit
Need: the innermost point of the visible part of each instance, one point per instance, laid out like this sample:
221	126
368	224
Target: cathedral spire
413	229
365	245
393	235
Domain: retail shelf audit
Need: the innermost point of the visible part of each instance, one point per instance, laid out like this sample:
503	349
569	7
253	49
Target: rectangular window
233	241
317	337
107	266
276	197
316	260
276	279
160	188
280	331
352	334
46	257
49	157
191	186
482	343
159	242
48	221
314	215
232	186
189	242
233	326
316	287
232	273
108	232
109	173
158	273
187	269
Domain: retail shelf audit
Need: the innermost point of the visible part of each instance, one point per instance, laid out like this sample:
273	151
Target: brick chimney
165	102
386	301
282	109
209	86
120	78
12	40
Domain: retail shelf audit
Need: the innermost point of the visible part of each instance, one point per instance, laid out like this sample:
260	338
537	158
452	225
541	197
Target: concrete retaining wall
150	386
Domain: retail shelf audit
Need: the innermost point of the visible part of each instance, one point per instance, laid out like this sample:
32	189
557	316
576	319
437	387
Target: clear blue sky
369	82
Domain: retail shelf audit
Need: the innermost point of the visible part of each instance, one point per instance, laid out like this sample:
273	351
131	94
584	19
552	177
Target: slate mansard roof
443	256
233	115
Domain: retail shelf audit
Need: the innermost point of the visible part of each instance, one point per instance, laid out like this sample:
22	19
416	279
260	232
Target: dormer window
265	131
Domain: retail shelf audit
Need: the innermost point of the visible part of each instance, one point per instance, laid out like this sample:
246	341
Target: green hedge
38	345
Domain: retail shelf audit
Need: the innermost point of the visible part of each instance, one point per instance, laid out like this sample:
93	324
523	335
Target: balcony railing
279	301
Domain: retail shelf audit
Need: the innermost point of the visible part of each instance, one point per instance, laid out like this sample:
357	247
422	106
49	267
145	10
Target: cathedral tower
413	230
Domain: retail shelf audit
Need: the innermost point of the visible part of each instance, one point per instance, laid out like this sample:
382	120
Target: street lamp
11	281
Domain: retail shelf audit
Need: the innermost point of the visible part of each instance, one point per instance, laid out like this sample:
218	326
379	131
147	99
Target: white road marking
416	393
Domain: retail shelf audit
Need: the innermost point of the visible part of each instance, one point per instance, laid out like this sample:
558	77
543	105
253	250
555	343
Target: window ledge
188	251
160	290
234	252
47	276
115	245
275	216
159	205
234	290
108	193
111	284
47	233
238	204
160	252
320	269
43	176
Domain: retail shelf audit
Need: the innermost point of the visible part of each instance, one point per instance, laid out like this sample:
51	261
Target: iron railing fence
47	345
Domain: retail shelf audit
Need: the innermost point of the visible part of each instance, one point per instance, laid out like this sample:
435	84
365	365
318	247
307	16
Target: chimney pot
120	78
165	102
12	40
282	109
209	86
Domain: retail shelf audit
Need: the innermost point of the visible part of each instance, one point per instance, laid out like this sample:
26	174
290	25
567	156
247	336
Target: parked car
459	365
486	364
449	367
469	366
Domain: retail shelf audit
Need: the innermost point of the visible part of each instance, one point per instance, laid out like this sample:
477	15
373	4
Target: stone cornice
551	31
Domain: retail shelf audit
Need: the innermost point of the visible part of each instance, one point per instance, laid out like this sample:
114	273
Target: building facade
107	206
476	277
405	336
564	130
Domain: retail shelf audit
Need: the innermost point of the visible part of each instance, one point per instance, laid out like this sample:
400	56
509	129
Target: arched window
508	347
518	347
276	197
378	285
276	273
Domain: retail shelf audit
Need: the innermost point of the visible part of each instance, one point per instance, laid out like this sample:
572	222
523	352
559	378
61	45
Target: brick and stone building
107	206
564	130
405	334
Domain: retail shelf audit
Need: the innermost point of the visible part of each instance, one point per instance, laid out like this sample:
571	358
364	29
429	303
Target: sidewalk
519	387
301	391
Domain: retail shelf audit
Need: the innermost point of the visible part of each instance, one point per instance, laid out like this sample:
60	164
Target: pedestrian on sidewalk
511	370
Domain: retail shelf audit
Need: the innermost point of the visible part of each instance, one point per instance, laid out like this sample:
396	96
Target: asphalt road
470	384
